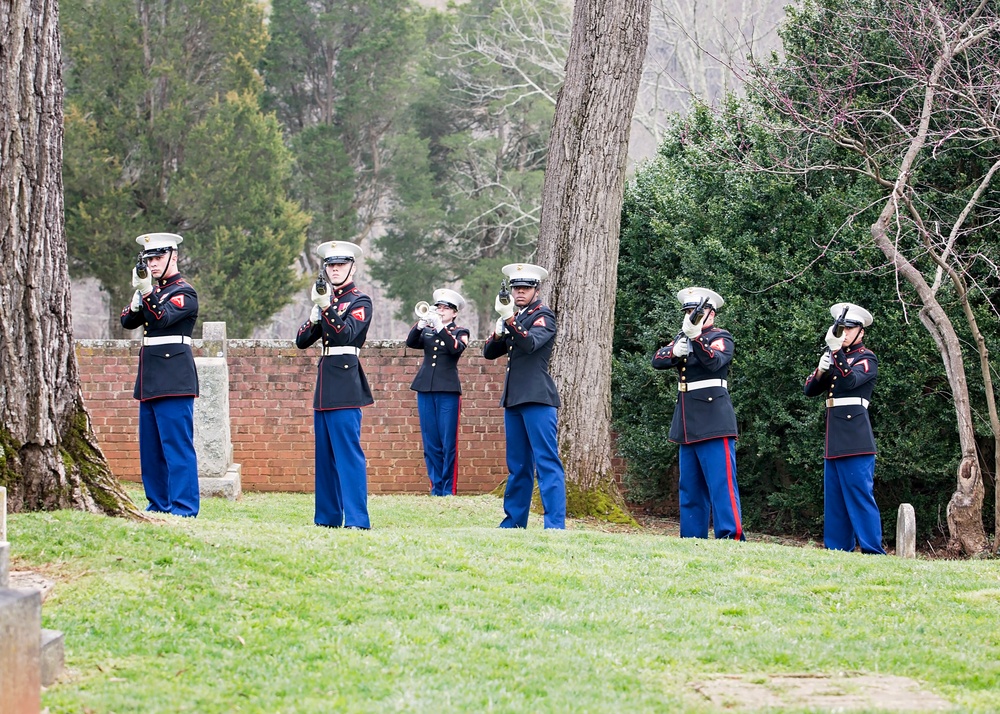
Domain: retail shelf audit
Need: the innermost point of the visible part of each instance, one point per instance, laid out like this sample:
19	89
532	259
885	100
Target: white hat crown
159	241
449	296
525	273
690	297
338	251
855	313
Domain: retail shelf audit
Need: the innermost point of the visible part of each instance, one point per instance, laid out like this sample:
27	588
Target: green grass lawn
251	608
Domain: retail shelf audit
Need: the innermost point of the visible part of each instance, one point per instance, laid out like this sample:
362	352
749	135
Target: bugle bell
422	309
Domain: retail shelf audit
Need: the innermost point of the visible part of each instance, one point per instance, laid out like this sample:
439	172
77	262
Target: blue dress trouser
849	510
531	446
341	470
708	487
167	457
439	430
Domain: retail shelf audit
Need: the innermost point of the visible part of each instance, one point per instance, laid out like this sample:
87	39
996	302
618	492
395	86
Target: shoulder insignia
540	322
718	344
358	314
178	300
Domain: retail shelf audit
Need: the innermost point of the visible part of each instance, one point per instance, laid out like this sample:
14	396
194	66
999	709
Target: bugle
423	309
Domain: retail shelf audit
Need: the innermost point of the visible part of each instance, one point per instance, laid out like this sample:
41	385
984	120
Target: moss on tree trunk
605	504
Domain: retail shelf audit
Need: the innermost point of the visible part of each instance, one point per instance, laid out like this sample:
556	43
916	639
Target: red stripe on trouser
732	492
454	473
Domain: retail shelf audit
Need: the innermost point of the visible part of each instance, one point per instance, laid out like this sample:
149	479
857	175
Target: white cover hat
525	274
690	297
158	243
449	297
338	251
857	316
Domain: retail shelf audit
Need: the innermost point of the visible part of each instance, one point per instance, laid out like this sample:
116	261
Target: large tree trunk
579	234
49	457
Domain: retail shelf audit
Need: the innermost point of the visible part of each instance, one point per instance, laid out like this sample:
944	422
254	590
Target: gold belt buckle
829	402
682	386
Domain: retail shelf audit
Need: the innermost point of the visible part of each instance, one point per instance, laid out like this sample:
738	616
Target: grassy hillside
250	608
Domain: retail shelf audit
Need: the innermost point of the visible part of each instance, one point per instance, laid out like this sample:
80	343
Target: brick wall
270	402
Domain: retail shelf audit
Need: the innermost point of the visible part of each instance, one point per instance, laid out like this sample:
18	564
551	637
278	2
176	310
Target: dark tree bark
49	457
579	235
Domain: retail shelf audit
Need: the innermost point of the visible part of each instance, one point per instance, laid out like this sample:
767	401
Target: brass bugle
422	309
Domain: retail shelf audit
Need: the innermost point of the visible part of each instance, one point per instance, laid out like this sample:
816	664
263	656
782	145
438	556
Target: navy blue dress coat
528	345
340	380
702	413
442	350
170	310
851	374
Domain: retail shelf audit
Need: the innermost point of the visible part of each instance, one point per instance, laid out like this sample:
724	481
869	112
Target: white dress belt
330	351
166	340
702	384
847	402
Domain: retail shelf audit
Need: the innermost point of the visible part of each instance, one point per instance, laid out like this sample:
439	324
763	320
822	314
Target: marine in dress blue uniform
525	332
166	307
704	423
339	320
438	388
846	377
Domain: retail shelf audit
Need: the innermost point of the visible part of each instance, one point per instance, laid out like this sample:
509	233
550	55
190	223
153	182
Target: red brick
270	396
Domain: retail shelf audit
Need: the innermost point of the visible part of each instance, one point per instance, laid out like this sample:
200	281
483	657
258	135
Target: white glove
832	341
320	301
136	305
498	330
145	285
435	322
315	314
421	323
505	311
824	362
692	330
682	347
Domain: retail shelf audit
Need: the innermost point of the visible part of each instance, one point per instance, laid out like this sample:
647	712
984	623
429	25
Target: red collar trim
344	289
164	282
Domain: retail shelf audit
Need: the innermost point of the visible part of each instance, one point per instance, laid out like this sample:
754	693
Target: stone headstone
906	532
213	339
212	440
52	656
218	476
4	564
20	651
